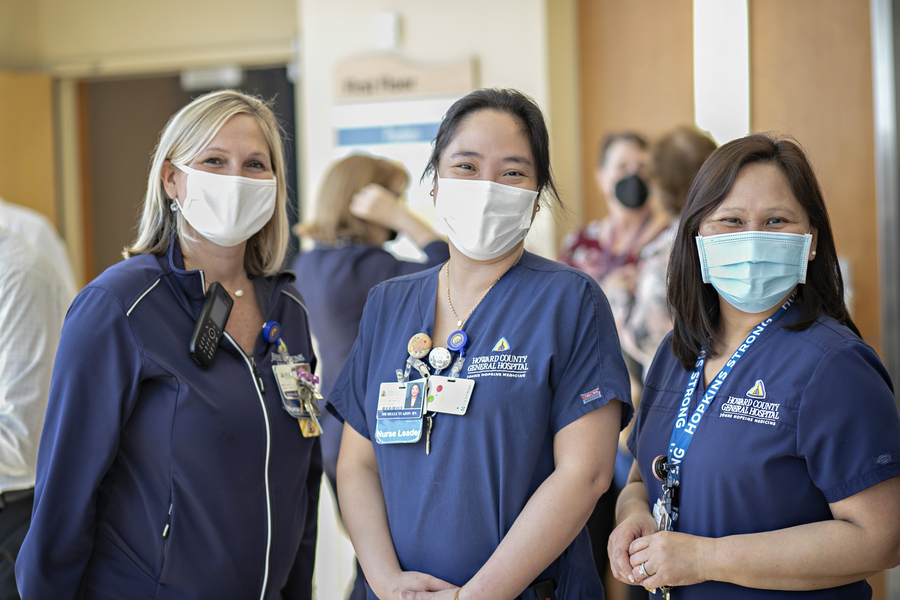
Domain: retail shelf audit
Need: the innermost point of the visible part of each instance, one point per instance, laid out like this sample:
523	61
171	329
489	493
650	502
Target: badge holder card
449	395
299	396
399	412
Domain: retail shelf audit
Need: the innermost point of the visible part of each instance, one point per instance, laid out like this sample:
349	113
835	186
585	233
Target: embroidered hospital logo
752	410
594	394
758	390
498	365
501	346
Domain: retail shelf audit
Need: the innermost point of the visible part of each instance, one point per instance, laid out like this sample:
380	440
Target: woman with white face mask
485	491
767	439
171	463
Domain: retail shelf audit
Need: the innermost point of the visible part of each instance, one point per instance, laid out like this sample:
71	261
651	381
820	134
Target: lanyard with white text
683	431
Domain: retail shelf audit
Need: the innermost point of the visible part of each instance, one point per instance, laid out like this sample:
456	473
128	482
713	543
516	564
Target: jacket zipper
166	531
260	389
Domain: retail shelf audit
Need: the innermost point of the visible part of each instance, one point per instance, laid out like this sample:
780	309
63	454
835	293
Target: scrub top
542	352
804	419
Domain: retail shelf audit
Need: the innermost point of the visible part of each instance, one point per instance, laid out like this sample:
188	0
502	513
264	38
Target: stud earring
813	253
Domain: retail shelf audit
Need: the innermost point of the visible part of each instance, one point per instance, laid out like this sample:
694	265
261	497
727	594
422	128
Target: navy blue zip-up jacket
159	479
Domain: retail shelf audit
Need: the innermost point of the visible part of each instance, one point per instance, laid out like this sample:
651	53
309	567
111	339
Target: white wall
507	37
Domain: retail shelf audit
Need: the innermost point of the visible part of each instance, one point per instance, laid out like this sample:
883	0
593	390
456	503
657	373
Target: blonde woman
358	208
158	478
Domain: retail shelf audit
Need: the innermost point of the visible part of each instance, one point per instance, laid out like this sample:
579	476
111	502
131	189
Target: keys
666	592
311	409
429	423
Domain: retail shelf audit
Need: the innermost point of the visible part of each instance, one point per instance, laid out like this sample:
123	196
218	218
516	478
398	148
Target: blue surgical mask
754	270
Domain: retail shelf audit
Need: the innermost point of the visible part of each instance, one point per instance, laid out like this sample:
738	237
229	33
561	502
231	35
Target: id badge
449	395
392	426
401	400
290	391
661	516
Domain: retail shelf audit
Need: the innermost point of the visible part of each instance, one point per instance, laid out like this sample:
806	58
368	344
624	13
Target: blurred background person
37	230
33	302
359	207
674	161
609	250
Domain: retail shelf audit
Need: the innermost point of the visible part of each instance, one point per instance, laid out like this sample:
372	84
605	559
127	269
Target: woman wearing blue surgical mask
484	492
767	440
159	477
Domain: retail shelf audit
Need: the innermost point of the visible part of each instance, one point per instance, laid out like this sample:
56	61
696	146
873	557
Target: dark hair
513	103
622	136
675	160
695	305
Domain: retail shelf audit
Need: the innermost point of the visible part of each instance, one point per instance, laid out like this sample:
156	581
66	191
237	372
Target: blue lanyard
684	429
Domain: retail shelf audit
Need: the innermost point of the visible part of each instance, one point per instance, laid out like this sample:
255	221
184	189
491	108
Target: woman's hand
670	558
413	585
380	206
636	526
376	204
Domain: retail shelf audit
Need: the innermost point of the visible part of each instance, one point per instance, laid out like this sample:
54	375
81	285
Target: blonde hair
186	134
333	220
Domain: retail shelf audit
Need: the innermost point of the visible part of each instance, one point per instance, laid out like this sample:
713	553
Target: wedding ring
643	571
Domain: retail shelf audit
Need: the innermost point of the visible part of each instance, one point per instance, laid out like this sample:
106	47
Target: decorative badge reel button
419	345
440	358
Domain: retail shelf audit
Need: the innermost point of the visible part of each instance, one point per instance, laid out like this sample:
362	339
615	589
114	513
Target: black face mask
632	192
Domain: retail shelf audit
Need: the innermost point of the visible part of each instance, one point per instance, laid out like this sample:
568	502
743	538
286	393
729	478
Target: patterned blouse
634	284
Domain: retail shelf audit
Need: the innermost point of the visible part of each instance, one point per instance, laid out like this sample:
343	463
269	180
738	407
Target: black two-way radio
210	325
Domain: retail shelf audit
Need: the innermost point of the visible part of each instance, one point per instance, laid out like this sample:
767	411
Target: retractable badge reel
450	395
665	511
299	395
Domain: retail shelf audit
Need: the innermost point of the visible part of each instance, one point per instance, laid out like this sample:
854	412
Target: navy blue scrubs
543	352
806	418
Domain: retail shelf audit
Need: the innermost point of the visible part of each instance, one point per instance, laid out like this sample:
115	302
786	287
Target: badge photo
401	400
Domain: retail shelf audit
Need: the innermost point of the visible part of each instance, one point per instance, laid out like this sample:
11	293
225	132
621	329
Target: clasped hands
413	585
668	558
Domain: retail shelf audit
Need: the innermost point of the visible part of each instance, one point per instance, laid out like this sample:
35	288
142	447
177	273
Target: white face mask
227	209
483	219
